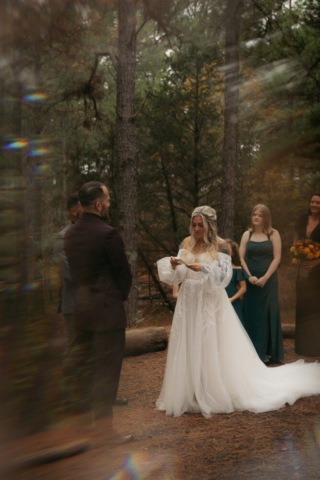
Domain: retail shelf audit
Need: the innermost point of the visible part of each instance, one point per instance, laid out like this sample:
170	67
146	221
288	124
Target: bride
212	366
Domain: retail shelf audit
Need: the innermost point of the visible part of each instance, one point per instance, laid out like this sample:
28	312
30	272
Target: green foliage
181	130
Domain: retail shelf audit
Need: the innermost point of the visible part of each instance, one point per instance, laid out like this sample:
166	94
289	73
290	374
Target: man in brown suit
101	280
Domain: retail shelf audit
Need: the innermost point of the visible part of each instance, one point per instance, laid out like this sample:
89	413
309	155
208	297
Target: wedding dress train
212	365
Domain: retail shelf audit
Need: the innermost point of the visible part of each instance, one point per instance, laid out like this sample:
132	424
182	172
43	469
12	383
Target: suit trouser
92	371
69	326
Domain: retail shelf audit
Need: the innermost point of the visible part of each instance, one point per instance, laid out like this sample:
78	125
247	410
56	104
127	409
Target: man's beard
105	215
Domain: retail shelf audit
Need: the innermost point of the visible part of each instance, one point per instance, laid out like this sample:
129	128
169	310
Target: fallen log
149	297
46	455
288	330
145	340
138	341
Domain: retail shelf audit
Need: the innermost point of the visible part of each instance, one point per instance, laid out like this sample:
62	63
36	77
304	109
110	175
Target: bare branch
95	107
155	239
141	106
93	71
141	27
155	280
112	56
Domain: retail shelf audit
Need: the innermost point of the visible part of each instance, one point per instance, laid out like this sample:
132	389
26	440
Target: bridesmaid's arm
242	252
242	290
276	242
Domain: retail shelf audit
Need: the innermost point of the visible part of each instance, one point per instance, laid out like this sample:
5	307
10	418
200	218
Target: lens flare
41	170
38	152
31	287
18	287
128	470
9	288
289	452
36	146
16	144
312	438
38	141
35	97
143	467
11	99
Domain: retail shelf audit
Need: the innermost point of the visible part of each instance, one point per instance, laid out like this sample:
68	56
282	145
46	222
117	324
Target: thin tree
231	99
126	144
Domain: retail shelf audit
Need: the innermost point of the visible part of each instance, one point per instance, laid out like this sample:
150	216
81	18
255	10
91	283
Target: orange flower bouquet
305	250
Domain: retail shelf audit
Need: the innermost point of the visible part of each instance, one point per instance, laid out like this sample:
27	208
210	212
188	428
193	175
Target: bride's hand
196	267
174	263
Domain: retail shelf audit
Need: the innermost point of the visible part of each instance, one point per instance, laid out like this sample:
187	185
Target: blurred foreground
283	444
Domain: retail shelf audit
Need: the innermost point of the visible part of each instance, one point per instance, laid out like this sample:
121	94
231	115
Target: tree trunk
64	155
196	138
231	99
126	145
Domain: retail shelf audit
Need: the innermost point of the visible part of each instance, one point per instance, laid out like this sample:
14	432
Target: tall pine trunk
231	98
126	145
196	137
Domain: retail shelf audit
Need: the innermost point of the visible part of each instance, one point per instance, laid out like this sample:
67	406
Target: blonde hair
267	227
209	218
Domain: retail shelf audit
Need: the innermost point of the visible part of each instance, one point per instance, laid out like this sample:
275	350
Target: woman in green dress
237	286
260	254
308	285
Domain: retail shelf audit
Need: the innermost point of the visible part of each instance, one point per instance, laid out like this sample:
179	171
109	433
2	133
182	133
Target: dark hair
234	253
317	194
73	201
91	192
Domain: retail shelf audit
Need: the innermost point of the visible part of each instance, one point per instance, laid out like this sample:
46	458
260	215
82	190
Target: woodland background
172	103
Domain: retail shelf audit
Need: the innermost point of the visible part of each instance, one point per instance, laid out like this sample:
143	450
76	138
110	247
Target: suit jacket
66	299
100	274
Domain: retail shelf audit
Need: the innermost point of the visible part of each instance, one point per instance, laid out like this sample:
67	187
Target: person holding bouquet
307	230
260	253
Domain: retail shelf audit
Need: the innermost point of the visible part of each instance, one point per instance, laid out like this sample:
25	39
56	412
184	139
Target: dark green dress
238	274
260	305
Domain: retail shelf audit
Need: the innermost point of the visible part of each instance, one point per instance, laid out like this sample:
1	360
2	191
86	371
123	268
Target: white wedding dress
212	366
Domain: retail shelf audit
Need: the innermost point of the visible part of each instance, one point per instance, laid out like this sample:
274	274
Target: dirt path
278	445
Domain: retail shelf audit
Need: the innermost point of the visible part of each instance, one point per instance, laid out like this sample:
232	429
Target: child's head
234	252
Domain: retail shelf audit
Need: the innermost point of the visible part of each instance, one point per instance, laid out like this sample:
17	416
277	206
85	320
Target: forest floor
277	445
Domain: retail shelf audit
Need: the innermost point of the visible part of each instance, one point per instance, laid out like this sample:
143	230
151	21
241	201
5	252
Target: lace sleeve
218	273
166	272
